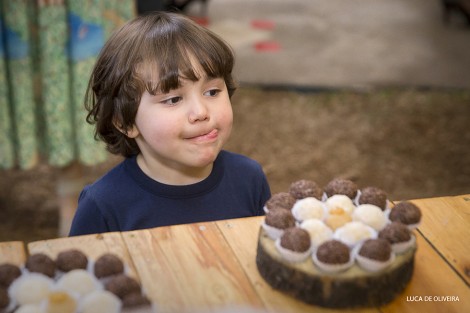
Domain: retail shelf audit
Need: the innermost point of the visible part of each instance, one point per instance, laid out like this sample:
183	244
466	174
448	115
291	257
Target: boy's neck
173	175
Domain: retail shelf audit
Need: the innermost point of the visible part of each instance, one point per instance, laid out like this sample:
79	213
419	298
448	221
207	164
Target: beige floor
345	43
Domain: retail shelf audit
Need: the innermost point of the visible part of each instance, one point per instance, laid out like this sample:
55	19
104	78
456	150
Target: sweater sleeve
88	218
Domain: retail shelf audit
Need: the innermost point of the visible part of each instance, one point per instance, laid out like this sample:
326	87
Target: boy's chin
205	159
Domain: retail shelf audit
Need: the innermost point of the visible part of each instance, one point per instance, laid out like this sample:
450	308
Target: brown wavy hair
150	53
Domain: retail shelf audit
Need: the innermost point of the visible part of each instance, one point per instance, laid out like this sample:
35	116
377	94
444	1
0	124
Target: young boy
160	96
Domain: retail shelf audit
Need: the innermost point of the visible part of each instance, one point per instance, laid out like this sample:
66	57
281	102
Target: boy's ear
131	132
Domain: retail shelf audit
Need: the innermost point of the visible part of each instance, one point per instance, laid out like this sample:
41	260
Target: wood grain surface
206	267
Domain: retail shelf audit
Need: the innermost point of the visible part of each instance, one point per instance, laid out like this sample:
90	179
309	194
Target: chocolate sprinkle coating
406	213
305	188
281	200
333	252
4	298
71	259
108	264
41	263
375	196
280	219
395	232
339	186
376	249
135	299
8	273
122	285
296	239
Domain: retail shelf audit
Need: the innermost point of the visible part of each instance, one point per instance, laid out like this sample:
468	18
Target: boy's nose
199	111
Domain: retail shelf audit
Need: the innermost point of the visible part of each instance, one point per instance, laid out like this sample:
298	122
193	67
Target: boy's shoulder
116	175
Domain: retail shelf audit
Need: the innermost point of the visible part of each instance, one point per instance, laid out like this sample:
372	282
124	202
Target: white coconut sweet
79	281
30	308
100	301
340	202
371	215
30	288
354	233
318	231
308	208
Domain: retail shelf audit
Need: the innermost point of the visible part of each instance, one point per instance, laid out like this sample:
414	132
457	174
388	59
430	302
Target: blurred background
377	91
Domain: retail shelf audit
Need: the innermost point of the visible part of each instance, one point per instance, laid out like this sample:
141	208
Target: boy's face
185	129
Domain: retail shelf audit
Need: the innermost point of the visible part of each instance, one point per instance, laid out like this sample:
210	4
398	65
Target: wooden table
209	266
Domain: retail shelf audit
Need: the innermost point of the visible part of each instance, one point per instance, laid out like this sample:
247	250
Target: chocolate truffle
122	285
4	298
373	195
305	188
280	219
71	259
135	299
333	252
395	232
8	273
41	263
296	239
281	200
406	213
108	264
339	186
376	249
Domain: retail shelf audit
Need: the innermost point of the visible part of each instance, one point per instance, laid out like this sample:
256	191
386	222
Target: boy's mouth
207	136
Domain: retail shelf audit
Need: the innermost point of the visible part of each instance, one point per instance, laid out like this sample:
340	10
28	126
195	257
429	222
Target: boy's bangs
183	58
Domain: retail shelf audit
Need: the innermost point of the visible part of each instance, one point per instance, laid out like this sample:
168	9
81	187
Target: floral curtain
47	52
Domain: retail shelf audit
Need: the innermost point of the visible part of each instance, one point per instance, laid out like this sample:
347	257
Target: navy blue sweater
127	199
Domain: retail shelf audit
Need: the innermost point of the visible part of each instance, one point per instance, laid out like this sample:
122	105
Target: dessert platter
338	246
71	283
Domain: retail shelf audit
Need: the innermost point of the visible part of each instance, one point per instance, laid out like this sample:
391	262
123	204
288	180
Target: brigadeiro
333	256
41	263
373	195
405	212
4	298
296	239
305	188
122	285
280	219
375	255
135	299
281	200
294	244
8	273
399	236
71	259
395	232
108	264
339	186
333	252
376	249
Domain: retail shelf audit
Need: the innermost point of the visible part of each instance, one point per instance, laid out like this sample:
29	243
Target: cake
359	256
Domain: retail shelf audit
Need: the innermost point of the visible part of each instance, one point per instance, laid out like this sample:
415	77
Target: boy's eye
172	101
212	92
